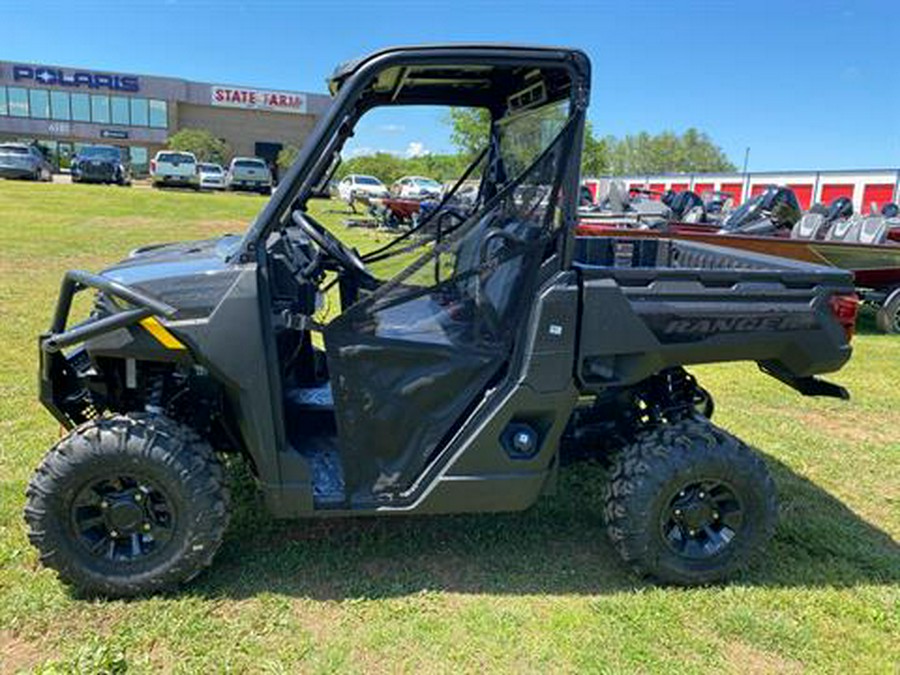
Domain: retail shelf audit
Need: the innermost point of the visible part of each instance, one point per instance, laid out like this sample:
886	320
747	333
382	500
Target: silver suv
18	160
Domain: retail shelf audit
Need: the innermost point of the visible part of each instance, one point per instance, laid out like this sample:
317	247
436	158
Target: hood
191	276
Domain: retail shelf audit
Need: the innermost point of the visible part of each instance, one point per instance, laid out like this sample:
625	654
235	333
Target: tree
595	154
205	146
286	156
667	152
470	128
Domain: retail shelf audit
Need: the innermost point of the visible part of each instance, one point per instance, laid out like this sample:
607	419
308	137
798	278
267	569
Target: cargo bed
649	304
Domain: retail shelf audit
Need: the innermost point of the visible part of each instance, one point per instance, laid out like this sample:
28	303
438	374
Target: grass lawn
539	591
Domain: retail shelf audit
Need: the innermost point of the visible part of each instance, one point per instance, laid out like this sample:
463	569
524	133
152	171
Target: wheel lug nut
693	533
138	497
678	512
104	504
715	515
702	495
113	534
146	527
681	494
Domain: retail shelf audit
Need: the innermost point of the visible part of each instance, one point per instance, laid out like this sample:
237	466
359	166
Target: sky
803	84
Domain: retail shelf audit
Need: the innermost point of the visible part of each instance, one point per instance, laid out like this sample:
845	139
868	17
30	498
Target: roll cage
498	78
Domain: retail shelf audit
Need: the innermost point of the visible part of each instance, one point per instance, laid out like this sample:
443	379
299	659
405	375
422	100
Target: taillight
845	307
152	166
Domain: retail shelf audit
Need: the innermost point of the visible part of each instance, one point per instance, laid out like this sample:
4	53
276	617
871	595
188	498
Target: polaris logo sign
60	77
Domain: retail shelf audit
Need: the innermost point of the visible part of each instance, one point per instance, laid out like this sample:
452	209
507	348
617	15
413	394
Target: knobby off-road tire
127	505
689	504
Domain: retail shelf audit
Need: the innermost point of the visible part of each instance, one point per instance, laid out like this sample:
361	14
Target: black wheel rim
122	518
702	519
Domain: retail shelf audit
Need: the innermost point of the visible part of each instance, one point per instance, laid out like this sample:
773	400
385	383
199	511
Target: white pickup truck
249	173
175	168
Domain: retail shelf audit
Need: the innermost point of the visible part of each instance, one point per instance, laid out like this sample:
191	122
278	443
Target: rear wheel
688	503
887	318
127	505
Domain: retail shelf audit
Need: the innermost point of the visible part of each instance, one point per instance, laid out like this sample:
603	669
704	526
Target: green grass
536	591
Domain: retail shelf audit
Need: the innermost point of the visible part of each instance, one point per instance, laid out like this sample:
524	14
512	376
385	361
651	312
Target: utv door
415	358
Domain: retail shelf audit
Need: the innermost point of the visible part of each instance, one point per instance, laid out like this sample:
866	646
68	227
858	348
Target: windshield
250	164
210	168
427	182
98	152
367	180
13	150
176	157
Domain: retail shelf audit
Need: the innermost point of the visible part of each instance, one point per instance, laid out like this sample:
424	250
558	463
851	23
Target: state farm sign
258	99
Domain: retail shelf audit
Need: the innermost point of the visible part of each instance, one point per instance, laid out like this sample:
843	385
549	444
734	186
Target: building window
119	109
100	108
17	101
2	100
81	108
59	105
139	116
158	117
39	102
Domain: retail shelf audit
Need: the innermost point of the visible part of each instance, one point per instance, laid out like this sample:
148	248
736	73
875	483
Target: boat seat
696	215
873	230
810	226
845	230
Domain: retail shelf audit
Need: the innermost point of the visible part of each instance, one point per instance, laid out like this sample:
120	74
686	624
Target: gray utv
448	387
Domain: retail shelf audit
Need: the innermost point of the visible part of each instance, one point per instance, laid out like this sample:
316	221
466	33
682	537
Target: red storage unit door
657	187
592	186
804	194
876	195
679	187
832	191
632	186
700	188
758	189
735	190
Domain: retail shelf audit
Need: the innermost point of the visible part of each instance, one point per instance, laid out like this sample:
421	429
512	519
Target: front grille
101	171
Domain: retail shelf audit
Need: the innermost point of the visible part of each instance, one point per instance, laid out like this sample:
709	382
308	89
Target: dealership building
63	108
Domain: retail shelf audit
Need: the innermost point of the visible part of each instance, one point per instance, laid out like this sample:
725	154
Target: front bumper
61	376
16	172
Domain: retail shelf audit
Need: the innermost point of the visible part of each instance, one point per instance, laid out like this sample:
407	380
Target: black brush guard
59	387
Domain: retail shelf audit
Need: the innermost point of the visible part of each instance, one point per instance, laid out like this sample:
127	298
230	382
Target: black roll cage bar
333	129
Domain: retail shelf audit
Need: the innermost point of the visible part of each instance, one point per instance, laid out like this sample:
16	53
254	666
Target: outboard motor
840	208
683	203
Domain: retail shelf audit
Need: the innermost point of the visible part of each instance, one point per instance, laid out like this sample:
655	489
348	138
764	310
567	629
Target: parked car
249	173
101	164
212	176
174	168
417	187
356	186
19	160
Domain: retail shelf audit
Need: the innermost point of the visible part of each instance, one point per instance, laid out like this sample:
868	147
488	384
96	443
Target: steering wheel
344	255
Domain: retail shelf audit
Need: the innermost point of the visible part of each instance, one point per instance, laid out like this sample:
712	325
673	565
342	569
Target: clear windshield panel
408	361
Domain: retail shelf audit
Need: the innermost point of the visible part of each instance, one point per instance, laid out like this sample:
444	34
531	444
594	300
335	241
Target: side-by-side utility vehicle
456	361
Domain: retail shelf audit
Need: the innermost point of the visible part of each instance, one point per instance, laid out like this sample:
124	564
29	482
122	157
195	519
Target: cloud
416	149
392	128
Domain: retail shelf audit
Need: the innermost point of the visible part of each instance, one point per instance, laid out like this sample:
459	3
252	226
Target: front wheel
689	504
127	505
